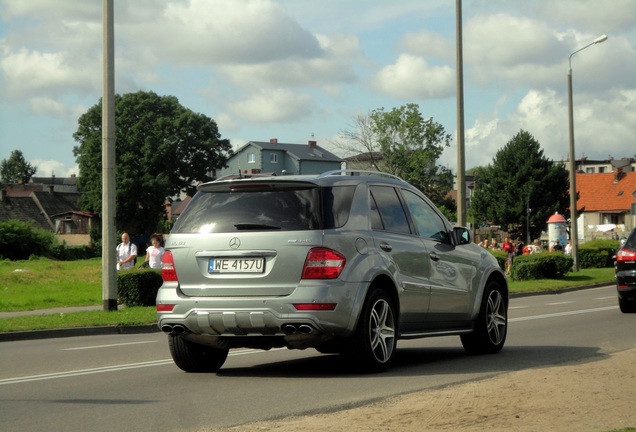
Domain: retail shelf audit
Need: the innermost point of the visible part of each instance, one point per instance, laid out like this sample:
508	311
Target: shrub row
138	287
545	265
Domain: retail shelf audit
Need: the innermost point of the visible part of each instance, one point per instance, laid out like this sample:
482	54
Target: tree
15	169
521	182
403	143
162	150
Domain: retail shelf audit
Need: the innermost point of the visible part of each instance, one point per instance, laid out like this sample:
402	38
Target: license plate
236	265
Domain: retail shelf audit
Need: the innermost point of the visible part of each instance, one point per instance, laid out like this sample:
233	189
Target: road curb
78	331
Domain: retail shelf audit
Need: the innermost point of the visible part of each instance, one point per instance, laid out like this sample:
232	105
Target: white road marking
107	346
558	303
558	314
115	368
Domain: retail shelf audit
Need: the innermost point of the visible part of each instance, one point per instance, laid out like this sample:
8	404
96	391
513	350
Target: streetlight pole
574	235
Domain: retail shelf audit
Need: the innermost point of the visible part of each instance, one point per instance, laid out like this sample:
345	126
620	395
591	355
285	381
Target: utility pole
109	241
461	162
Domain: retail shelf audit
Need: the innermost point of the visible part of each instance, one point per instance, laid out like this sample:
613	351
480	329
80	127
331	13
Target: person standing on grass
508	247
154	252
126	253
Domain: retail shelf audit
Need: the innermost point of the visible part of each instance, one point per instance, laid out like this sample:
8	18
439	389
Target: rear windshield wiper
254	226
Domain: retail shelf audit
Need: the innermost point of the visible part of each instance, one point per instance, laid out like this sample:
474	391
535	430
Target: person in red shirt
509	248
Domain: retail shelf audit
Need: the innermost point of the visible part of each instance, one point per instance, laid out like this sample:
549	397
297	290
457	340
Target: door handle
434	256
386	247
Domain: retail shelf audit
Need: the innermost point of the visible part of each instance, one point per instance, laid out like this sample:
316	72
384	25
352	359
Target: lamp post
573	211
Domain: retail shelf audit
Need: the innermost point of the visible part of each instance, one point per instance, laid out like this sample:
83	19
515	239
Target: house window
251	158
601	169
273	157
612	218
589	170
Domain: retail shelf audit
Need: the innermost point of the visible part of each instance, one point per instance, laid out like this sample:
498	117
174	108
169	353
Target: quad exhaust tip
290	329
174	329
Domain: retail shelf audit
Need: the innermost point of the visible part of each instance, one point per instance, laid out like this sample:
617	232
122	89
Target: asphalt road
128	382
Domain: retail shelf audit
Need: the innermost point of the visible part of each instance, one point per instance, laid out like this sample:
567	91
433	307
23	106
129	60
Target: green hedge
597	253
66	253
138	287
544	265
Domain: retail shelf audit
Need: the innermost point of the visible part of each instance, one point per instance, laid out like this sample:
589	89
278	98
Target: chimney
312	144
618	174
273	140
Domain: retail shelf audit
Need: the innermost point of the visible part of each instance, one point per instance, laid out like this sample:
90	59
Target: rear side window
387	213
285	209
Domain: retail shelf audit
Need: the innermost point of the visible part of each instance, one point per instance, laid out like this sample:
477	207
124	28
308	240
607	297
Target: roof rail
354	172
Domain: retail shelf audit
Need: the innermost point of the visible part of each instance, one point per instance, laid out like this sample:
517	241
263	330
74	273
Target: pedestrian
485	244
154	252
510	250
494	245
535	247
126	253
557	247
568	248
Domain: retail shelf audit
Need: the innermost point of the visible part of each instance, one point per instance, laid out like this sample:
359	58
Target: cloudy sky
298	70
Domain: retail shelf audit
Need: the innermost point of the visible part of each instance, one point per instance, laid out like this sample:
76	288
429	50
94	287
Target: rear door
403	251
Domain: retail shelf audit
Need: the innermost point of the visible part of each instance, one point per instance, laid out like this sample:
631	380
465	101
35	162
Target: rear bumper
626	284
217	318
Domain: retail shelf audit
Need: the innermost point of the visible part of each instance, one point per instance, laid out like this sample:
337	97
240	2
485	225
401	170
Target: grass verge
42	283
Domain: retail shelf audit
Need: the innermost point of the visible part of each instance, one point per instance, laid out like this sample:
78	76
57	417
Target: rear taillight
168	272
625	255
323	263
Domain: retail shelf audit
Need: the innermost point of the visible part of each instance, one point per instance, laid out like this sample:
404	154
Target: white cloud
412	77
29	72
43	105
273	106
48	168
217	32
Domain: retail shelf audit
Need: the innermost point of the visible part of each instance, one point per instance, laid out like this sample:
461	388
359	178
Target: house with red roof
606	204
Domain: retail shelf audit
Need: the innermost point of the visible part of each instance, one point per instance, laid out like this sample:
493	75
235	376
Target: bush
138	287
597	253
65	253
541	266
19	240
501	256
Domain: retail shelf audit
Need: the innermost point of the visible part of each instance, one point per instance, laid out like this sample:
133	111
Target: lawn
43	283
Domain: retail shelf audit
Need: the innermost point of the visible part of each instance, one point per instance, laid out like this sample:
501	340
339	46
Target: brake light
323	263
625	255
315	306
165	307
168	272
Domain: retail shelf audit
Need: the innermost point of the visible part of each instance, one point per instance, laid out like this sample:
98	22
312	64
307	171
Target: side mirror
461	236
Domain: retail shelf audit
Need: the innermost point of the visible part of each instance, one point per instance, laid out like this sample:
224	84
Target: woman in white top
154	252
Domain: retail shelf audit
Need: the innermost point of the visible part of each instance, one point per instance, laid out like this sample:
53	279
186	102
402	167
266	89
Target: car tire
626	306
491	326
372	345
192	357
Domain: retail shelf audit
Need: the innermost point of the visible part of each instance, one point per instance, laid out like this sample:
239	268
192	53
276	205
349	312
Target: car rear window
265	209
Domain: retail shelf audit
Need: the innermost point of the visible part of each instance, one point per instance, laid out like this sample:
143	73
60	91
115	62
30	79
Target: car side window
427	221
387	212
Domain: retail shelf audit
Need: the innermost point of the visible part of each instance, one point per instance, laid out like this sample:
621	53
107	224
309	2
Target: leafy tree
15	169
520	178
402	142
162	149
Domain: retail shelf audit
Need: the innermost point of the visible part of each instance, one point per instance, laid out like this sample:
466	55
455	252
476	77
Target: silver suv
346	262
